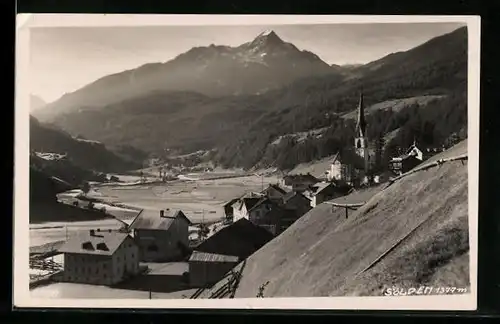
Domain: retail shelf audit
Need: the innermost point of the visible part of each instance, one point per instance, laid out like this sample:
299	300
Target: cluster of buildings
361	174
252	220
110	257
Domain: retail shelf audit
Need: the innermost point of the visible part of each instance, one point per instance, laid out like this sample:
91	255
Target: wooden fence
228	289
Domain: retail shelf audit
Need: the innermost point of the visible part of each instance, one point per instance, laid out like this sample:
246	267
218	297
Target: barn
241	239
206	269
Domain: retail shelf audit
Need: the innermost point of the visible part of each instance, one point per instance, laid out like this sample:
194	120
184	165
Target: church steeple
361	140
361	124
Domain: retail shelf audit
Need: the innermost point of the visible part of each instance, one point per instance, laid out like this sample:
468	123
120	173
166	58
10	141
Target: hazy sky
65	59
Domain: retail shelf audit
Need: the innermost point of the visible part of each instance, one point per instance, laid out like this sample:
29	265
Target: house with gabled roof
325	191
407	161
161	235
298	202
100	257
274	192
299	182
242	207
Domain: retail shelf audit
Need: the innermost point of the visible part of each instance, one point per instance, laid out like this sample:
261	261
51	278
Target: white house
161	235
241	207
335	171
100	258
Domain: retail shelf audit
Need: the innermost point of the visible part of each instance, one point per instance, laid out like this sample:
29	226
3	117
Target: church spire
361	124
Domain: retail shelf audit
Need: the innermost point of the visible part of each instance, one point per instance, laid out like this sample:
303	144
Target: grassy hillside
42	212
83	153
323	254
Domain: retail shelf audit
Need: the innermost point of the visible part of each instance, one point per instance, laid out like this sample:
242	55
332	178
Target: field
70	290
163	281
200	200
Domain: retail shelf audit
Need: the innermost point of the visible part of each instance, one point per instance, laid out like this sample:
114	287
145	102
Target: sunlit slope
414	232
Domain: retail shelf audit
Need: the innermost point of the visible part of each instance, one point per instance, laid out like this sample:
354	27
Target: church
341	171
361	141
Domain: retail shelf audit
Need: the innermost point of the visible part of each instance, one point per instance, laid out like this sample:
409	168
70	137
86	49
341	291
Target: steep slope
44	188
83	153
418	226
264	63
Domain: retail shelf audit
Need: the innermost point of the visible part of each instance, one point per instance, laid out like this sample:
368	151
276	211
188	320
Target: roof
322	186
151	219
292	194
336	158
262	201
101	243
250	202
275	187
300	178
212	257
361	123
242	238
231	202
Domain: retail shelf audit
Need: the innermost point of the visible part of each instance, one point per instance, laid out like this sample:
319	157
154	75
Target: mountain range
235	101
267	62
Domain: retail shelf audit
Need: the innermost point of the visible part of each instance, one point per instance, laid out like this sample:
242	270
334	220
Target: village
158	251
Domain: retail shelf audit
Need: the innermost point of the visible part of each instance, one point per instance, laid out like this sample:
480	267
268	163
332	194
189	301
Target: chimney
162	213
92	232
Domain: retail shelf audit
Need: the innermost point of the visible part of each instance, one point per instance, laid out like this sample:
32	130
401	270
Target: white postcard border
21	293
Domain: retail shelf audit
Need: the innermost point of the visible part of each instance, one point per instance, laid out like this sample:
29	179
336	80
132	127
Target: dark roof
231	202
292	194
297	178
250	202
212	257
276	187
361	122
262	201
322	186
242	238
101	243
336	157
151	219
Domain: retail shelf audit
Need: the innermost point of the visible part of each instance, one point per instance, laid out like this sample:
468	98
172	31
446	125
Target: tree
379	153
85	188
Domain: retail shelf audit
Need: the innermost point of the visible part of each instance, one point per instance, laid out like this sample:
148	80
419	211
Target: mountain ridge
241	127
253	67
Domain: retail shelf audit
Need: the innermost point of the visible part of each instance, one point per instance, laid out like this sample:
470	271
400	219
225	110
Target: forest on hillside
437	123
438	67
